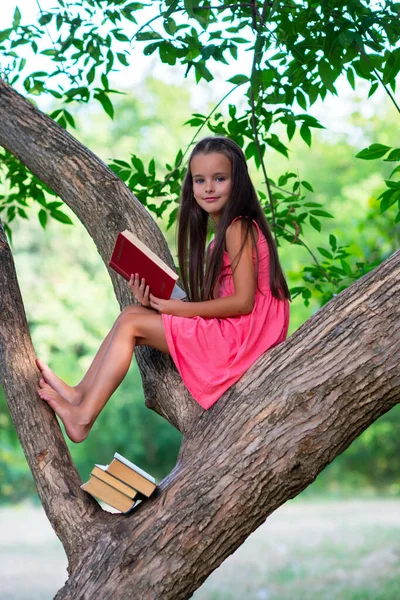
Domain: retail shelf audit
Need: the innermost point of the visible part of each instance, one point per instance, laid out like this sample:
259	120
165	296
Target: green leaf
90	75
327	75
396	170
168	53
305	133
290	129
170	26
373	88
151	48
172	217
104	81
42	218
5	34
301	99
346	267
350	77
315	223
123	59
332	242
45	18
373	152
69	118
189	7
106	103
388	199
392	67
147	36
201	71
60	216
325	253
394	155
321	213
275	143
16	18
238	79
172	7
152	168
121	37
307	185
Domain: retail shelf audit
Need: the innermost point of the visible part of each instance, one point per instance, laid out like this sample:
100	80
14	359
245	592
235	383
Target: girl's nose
209	186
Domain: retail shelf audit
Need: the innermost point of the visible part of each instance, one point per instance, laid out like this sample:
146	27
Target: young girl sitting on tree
238	304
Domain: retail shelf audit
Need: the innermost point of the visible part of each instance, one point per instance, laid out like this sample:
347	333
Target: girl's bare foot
76	423
71	394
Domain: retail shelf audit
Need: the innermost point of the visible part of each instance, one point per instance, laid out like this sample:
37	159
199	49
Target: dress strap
254	221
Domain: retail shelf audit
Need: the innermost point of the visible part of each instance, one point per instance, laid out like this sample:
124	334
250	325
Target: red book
130	255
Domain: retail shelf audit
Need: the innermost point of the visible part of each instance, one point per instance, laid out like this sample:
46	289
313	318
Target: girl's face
212	182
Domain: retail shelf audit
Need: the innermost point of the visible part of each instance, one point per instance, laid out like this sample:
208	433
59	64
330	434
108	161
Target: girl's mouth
210	199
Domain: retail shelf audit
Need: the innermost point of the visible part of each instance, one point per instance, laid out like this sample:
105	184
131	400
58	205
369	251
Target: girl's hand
167	307
140	290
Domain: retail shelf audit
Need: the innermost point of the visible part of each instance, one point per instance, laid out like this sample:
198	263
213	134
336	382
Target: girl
238	297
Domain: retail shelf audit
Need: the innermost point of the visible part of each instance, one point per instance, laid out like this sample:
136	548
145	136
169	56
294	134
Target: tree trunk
262	443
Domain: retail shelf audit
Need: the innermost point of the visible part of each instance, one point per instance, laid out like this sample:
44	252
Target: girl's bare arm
239	303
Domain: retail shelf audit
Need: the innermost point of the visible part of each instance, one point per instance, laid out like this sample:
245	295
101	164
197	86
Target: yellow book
100	472
108	494
131	474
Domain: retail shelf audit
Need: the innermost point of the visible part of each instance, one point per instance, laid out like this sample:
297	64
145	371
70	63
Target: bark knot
41	459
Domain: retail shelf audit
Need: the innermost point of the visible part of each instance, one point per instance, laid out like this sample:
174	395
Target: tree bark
262	443
105	206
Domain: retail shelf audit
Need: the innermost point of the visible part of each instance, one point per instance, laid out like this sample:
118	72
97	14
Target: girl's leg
129	330
74	394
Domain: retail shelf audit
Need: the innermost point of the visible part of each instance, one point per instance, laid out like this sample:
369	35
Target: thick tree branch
267	439
263	442
105	206
75	516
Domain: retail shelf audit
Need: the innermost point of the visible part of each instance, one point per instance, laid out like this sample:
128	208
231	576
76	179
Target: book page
136	242
178	293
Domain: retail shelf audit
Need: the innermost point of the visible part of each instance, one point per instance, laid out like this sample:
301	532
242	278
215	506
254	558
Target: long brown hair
199	269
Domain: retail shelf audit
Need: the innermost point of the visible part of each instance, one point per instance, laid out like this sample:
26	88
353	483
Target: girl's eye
198	180
221	178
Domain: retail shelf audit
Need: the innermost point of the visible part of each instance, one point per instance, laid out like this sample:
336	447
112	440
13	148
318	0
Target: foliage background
68	297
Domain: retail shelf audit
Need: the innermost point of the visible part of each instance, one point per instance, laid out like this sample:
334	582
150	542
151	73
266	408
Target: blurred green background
70	303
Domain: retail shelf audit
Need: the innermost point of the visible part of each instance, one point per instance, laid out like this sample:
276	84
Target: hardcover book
108	494
132	475
131	256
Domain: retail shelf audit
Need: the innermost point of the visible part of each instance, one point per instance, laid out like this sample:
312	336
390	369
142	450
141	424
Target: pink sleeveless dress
212	354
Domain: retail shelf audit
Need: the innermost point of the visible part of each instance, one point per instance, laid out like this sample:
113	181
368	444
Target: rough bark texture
105	206
266	440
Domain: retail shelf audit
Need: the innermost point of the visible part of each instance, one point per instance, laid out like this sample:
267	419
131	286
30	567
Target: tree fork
105	206
262	443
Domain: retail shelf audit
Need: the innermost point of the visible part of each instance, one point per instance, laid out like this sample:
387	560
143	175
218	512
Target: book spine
120	271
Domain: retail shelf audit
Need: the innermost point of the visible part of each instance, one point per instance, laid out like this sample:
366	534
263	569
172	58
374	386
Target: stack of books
121	484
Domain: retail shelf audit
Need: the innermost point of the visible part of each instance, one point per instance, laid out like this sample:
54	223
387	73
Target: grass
306	550
348	550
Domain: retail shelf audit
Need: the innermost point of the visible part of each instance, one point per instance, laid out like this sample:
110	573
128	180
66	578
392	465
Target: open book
131	256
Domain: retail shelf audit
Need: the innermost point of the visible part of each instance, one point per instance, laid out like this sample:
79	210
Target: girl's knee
131	310
128	321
